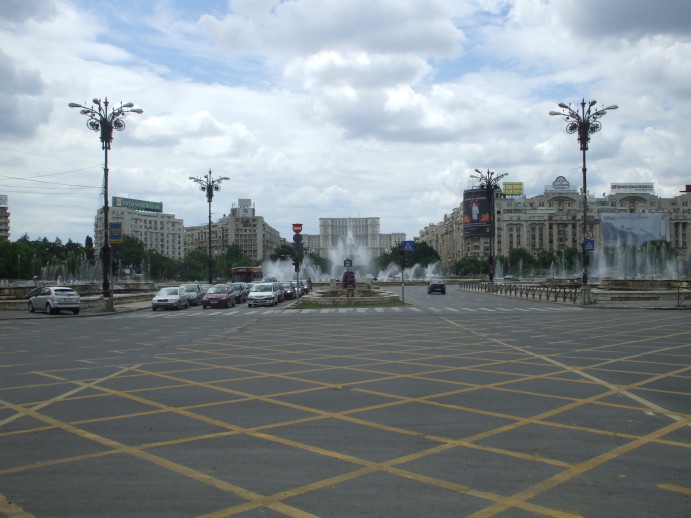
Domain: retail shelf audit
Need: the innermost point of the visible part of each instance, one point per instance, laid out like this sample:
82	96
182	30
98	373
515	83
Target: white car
263	294
172	297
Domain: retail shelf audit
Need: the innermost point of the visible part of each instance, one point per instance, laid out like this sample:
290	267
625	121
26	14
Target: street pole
103	121
209	185
489	181
583	124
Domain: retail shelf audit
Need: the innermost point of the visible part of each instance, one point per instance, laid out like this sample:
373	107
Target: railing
556	293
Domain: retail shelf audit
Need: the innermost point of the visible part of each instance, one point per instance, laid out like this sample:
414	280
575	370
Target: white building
351	232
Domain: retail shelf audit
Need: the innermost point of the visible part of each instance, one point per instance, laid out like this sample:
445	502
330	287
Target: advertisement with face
477	220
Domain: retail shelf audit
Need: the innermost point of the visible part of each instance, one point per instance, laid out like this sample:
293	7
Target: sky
332	108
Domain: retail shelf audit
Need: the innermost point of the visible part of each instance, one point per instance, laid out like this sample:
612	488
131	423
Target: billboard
619	188
3	200
477	220
512	188
633	229
143	205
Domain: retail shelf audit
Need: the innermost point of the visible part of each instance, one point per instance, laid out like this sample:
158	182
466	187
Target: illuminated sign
633	187
512	188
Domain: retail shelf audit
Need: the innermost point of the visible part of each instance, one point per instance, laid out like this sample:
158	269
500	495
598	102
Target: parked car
205	287
240	290
194	293
512	278
53	299
436	285
281	294
219	296
300	288
289	290
263	294
172	297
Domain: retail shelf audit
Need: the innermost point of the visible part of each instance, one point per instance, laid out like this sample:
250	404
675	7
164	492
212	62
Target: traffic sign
297	238
407	246
588	245
588	235
348	263
297	227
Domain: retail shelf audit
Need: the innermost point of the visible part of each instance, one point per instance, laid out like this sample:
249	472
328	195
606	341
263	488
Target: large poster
633	229
477	220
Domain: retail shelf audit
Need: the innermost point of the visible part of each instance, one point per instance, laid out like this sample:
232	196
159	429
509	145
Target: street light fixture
209	186
489	182
584	124
104	121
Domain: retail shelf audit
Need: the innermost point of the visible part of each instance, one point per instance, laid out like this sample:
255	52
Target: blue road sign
588	245
407	246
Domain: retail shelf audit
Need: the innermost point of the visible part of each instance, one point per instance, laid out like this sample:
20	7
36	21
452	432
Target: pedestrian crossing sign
407	246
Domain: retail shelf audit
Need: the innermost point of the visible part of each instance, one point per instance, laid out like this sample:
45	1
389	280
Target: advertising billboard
633	229
619	188
477	220
513	188
143	205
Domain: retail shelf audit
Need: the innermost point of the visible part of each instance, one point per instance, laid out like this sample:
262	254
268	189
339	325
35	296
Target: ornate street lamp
104	121
489	182
584	124
209	186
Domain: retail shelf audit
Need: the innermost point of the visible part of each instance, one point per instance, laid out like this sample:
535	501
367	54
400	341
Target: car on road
436	285
512	278
289	290
263	294
219	296
240	290
300	288
194	293
53	299
171	297
281	294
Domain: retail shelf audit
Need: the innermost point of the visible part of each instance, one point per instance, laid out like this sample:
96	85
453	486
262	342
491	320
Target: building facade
4	218
255	237
351	233
553	221
161	232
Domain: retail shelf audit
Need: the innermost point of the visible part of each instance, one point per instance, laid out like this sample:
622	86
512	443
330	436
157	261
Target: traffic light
296	264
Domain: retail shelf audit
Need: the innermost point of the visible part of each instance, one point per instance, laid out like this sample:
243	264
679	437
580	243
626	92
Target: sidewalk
120	306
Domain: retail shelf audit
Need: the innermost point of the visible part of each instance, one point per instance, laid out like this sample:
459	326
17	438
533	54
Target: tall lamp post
209	186
104	121
584	124
488	182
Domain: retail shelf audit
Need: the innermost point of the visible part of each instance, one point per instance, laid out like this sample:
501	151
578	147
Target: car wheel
75	311
31	308
204	306
177	306
443	292
153	308
49	308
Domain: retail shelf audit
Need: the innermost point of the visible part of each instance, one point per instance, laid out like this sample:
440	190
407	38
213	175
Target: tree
130	253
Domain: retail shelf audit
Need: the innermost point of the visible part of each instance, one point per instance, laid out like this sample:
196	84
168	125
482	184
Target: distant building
4	218
553	221
146	221
351	232
256	238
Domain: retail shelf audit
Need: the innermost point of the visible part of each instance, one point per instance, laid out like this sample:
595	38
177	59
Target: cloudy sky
333	108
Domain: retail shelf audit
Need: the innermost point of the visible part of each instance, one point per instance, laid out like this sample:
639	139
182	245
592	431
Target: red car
219	296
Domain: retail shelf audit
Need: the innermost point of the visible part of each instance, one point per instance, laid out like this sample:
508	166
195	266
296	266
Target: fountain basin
357	297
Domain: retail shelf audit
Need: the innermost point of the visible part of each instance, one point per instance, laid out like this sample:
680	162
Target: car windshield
168	291
436	281
287	285
190	287
236	286
262	287
217	289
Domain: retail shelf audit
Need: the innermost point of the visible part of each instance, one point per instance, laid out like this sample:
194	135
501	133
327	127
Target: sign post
297	254
406	246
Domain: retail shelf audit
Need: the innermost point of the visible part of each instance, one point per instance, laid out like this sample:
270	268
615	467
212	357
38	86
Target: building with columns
553	221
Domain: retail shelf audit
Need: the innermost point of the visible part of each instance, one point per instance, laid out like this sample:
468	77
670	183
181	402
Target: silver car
53	299
194	293
263	294
172	297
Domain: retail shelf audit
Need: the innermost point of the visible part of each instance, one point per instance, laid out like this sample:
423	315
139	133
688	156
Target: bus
246	274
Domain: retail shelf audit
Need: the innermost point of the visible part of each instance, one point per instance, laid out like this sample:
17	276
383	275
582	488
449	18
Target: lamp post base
106	304
585	297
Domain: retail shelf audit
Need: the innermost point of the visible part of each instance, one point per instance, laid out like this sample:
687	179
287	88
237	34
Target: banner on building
620	188
142	205
512	188
3	200
633	229
477	220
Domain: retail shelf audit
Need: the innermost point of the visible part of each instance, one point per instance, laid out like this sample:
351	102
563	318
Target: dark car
436	285
194	293
289	290
240	290
218	296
